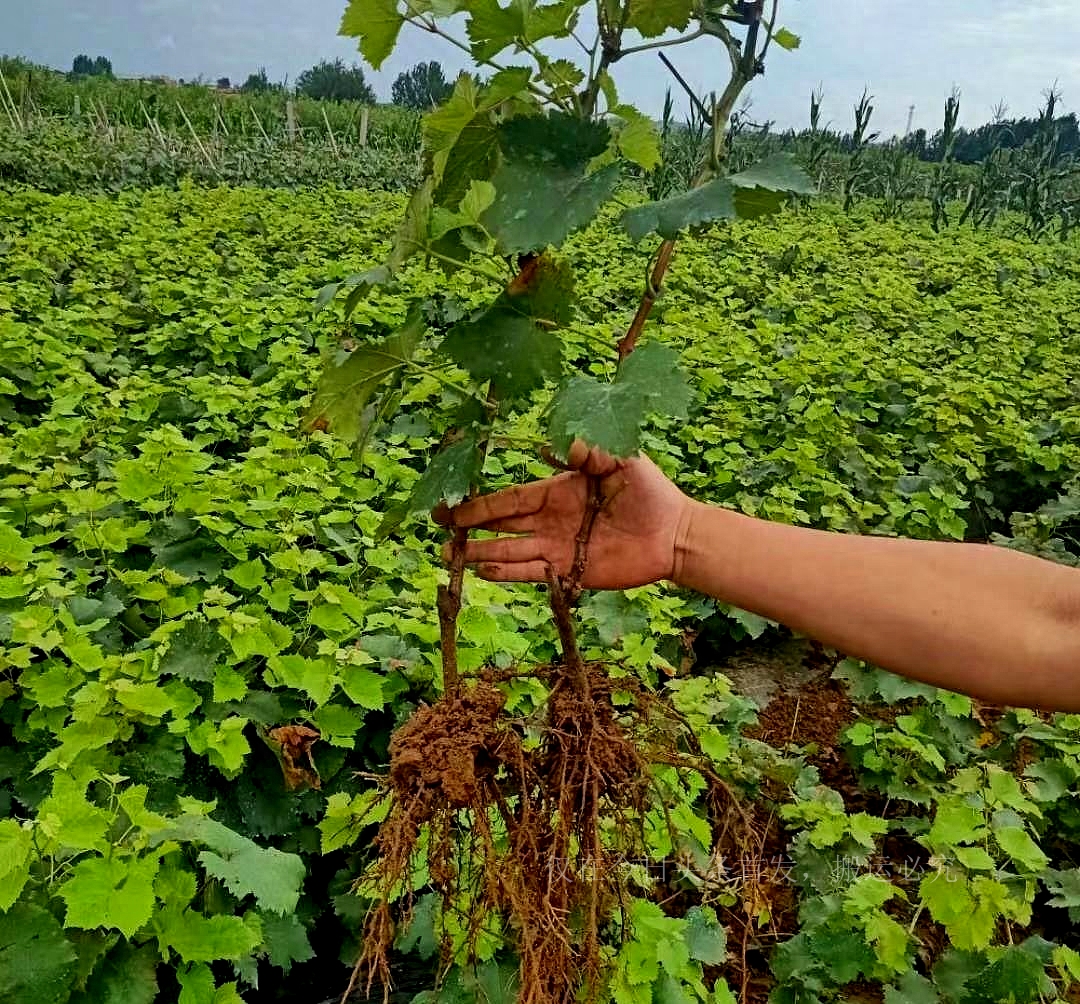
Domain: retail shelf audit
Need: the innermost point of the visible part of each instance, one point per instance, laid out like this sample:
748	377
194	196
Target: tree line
422	87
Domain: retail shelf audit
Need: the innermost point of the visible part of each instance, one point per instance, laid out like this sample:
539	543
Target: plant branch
481	273
581	542
648	299
448	600
770	28
698	103
633	50
561	609
609	40
448	604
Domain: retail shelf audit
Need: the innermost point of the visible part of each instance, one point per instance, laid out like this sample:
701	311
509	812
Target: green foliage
84	66
544	189
185	571
611	415
759	191
422	88
334	81
76	157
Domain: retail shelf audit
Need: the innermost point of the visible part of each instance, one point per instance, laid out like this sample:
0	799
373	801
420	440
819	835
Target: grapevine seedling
514	832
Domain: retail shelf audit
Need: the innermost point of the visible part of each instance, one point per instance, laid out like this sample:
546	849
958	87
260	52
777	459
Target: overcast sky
909	52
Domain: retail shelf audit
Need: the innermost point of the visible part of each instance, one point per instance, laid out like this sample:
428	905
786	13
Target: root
530	819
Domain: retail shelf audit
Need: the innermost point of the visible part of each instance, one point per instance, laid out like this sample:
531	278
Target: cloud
909	52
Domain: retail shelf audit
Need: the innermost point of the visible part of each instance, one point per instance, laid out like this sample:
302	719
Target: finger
524	500
591	460
443	514
526	571
514	524
503	549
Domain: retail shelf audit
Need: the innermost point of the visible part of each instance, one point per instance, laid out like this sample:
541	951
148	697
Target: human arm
972	618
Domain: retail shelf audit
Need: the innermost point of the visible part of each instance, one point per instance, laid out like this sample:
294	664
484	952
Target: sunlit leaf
377	24
347	388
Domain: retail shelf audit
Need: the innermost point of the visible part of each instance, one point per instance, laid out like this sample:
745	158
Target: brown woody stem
648	300
572	661
581	542
449	606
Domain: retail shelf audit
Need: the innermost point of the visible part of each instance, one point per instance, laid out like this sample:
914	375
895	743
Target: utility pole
910	121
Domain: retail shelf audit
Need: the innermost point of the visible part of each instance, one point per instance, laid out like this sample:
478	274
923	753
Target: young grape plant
522	823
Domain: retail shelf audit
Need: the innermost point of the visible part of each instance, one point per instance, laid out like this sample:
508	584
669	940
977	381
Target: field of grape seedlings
263	736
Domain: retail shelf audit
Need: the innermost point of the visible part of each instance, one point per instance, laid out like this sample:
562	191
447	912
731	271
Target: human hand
636	540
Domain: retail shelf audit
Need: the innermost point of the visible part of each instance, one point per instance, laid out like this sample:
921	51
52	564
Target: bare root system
523	822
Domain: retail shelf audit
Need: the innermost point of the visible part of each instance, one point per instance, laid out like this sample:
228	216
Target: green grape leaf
193	652
544	290
273	877
16	843
545	192
562	76
669	217
116	892
557	138
668	990
1067	961
1017	843
196	938
37	962
412	233
377	24
127	975
759	191
638	139
1064	886
890	941
787	39
461	139
492	28
974	858
420	936
75	823
954	970
285	940
948	900
537	208
357	285
339	725
652	18
449	478
1016	976
706	938
460	142
611	415
508	348
314	678
477	200
911	988
15	553
955	822
223	744
197	987
346	389
764	189
346	817
363	687
1052	780
496	982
